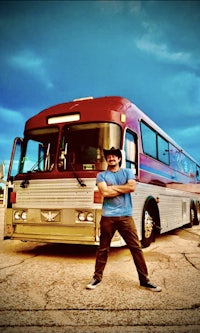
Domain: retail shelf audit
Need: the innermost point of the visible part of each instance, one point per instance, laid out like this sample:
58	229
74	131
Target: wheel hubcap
148	225
192	215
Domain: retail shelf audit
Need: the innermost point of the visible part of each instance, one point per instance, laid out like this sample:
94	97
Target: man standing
116	184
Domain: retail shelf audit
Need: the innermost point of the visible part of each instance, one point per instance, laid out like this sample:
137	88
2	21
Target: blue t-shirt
120	205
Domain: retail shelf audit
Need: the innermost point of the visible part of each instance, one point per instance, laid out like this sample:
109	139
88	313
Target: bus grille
55	193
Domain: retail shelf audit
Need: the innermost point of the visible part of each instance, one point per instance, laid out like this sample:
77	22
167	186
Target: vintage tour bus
51	190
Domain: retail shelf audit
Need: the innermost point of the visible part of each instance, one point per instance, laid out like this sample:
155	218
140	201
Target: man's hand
111	191
126	188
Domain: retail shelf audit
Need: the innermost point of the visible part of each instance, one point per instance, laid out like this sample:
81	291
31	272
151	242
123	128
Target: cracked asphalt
43	288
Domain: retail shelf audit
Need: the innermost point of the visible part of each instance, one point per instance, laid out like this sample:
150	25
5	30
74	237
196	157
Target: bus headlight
24	215
17	215
82	216
85	216
20	215
90	217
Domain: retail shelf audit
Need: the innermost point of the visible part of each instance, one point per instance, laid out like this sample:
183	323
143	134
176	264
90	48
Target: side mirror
2	171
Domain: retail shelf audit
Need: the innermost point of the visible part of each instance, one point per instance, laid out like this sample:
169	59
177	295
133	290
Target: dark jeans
126	227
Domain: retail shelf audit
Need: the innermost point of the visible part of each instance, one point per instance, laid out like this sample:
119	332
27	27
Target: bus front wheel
150	220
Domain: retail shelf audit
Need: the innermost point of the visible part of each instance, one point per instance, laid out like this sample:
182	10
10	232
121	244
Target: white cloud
161	51
189	132
107	6
135	7
118	7
160	40
184	88
187	138
9	115
29	62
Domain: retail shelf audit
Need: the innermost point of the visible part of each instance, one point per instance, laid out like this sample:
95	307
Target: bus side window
198	173
149	140
154	145
163	150
130	150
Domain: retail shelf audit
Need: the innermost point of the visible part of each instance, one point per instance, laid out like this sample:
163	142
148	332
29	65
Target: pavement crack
100	309
47	297
190	262
18	263
195	306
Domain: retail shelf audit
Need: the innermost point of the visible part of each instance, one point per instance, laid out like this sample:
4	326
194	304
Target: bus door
130	147
15	158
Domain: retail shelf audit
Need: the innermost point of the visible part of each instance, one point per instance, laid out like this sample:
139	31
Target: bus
51	183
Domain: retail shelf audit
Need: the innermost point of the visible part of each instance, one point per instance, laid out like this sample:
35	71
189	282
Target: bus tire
150	221
193	216
198	211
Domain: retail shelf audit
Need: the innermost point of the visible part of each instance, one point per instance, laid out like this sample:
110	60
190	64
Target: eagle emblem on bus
49	216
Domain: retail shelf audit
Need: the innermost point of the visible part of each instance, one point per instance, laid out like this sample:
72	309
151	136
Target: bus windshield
80	148
39	150
82	145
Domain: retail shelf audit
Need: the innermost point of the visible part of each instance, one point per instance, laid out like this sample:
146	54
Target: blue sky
147	51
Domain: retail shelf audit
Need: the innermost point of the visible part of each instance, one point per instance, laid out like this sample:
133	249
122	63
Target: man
116	184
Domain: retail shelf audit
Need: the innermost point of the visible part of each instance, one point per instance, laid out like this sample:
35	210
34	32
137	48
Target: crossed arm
111	191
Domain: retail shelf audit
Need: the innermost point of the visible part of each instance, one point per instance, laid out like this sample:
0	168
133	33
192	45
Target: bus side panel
173	206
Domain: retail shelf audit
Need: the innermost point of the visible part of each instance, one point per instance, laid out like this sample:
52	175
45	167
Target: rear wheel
193	215
150	222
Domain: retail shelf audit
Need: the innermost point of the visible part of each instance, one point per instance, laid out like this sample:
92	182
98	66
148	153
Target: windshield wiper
80	181
66	154
25	182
